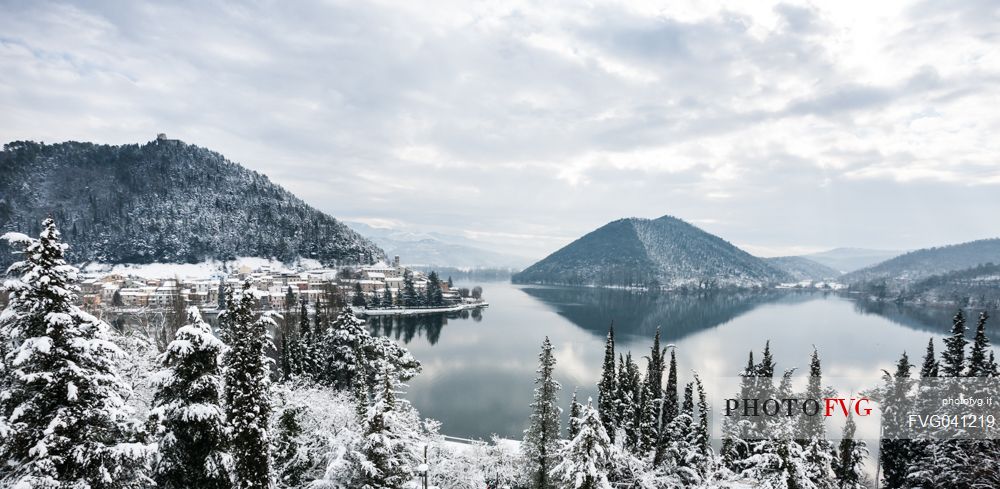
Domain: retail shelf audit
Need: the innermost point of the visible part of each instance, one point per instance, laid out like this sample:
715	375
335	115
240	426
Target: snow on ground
203	270
402	311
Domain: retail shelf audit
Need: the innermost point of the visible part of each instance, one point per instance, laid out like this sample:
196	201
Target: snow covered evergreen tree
292	459
575	408
849	463
929	369
63	419
386	455
811	433
340	343
434	295
646	418
341	340
585	460
630	402
248	389
979	362
607	388
668	408
953	357
187	411
541	438
896	452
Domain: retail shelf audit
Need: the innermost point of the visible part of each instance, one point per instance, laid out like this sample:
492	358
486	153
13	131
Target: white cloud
792	125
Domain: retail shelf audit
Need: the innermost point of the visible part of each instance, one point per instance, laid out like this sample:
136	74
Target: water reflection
479	366
407	328
638	314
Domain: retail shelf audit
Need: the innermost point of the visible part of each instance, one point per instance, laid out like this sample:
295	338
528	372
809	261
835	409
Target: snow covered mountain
435	249
664	252
163	201
927	262
802	268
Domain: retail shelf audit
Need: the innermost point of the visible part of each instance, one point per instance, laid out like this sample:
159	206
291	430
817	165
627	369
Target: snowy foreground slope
163	201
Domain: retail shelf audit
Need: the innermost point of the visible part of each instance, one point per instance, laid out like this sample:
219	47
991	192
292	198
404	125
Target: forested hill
163	201
664	252
920	264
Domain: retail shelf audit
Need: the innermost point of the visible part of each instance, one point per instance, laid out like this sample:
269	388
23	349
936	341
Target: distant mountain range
920	264
801	268
846	260
164	201
664	252
436	249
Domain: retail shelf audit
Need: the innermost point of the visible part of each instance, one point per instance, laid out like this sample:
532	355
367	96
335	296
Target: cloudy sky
784	128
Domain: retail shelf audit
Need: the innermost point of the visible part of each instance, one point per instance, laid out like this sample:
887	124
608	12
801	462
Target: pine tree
849	464
811	427
291	458
979	364
586	459
896	452
434	294
607	388
811	434
248	385
341	340
63	419
187	411
574	416
409	296
451	285
930	365
541	439
953	358
358	299
386	297
386	459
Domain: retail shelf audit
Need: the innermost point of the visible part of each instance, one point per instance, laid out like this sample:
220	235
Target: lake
479	367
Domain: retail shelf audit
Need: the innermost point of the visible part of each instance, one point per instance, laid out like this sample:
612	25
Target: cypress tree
668	409
541	439
953	358
630	386
647	419
187	411
63	417
654	370
248	383
608	386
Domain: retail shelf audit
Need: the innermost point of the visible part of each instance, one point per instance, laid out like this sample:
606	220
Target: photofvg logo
799	407
790	407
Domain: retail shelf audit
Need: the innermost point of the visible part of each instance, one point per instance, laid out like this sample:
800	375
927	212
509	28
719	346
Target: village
379	289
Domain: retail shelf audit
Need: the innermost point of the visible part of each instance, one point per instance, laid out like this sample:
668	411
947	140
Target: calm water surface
479	368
